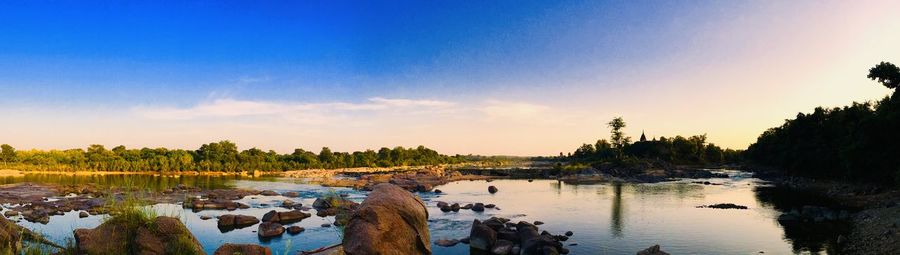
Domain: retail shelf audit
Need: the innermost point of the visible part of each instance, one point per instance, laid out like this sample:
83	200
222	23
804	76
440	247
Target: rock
390	221
482	237
478	207
326	225
492	189
467	206
537	222
83	214
293	230
205	217
502	247
490	206
287	203
292	216
270	229
10	213
441	204
165	236
454	207
437	191
464	240
285	217
268	193
230	221
569	233
291	194
724	206
446	242
653	250
242	249
446	208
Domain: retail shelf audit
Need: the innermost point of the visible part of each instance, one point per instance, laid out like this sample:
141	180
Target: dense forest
858	142
218	156
692	150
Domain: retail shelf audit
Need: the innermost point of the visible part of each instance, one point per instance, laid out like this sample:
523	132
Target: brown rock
293	230
243	249
165	236
390	221
270	229
229	221
653	250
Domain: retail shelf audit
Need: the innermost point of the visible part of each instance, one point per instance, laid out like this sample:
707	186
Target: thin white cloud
229	108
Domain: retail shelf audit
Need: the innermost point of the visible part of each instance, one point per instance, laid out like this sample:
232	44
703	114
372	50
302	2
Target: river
606	218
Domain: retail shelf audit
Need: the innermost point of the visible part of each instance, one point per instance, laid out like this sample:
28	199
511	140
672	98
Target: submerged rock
242	249
653	250
446	242
724	206
390	221
492	189
293	230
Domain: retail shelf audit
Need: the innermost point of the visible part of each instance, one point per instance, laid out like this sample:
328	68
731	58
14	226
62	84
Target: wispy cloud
228	107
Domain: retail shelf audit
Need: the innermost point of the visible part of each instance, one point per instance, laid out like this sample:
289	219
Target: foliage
218	156
859	141
679	150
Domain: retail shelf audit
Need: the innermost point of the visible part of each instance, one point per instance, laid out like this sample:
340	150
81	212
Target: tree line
860	141
694	150
217	156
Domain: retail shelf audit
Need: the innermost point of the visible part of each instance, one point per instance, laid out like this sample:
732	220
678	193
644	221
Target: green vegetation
218	156
859	142
693	150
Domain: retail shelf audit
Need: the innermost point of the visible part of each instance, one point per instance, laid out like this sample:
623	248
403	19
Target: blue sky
108	70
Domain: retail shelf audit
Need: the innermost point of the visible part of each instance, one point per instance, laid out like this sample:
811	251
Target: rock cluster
339	207
273	220
810	213
499	236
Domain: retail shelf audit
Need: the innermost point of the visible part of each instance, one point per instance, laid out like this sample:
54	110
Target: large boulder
390	221
482	236
243	249
166	235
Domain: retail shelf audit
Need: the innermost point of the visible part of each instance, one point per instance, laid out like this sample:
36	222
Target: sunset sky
480	77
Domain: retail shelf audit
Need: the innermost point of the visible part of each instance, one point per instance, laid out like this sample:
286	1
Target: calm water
606	218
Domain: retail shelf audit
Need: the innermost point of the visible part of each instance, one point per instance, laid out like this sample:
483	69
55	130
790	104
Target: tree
887	74
619	140
7	153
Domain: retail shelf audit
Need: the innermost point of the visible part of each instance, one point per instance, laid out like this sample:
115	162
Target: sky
462	77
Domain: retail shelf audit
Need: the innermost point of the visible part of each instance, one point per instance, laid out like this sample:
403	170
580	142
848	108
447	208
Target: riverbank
875	220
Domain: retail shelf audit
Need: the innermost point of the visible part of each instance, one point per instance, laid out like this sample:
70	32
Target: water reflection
616	220
144	181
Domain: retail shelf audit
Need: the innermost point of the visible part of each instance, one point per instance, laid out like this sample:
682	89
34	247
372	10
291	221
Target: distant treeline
218	156
860	142
692	150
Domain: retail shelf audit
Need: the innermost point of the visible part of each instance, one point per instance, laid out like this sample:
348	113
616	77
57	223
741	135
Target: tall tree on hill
619	140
